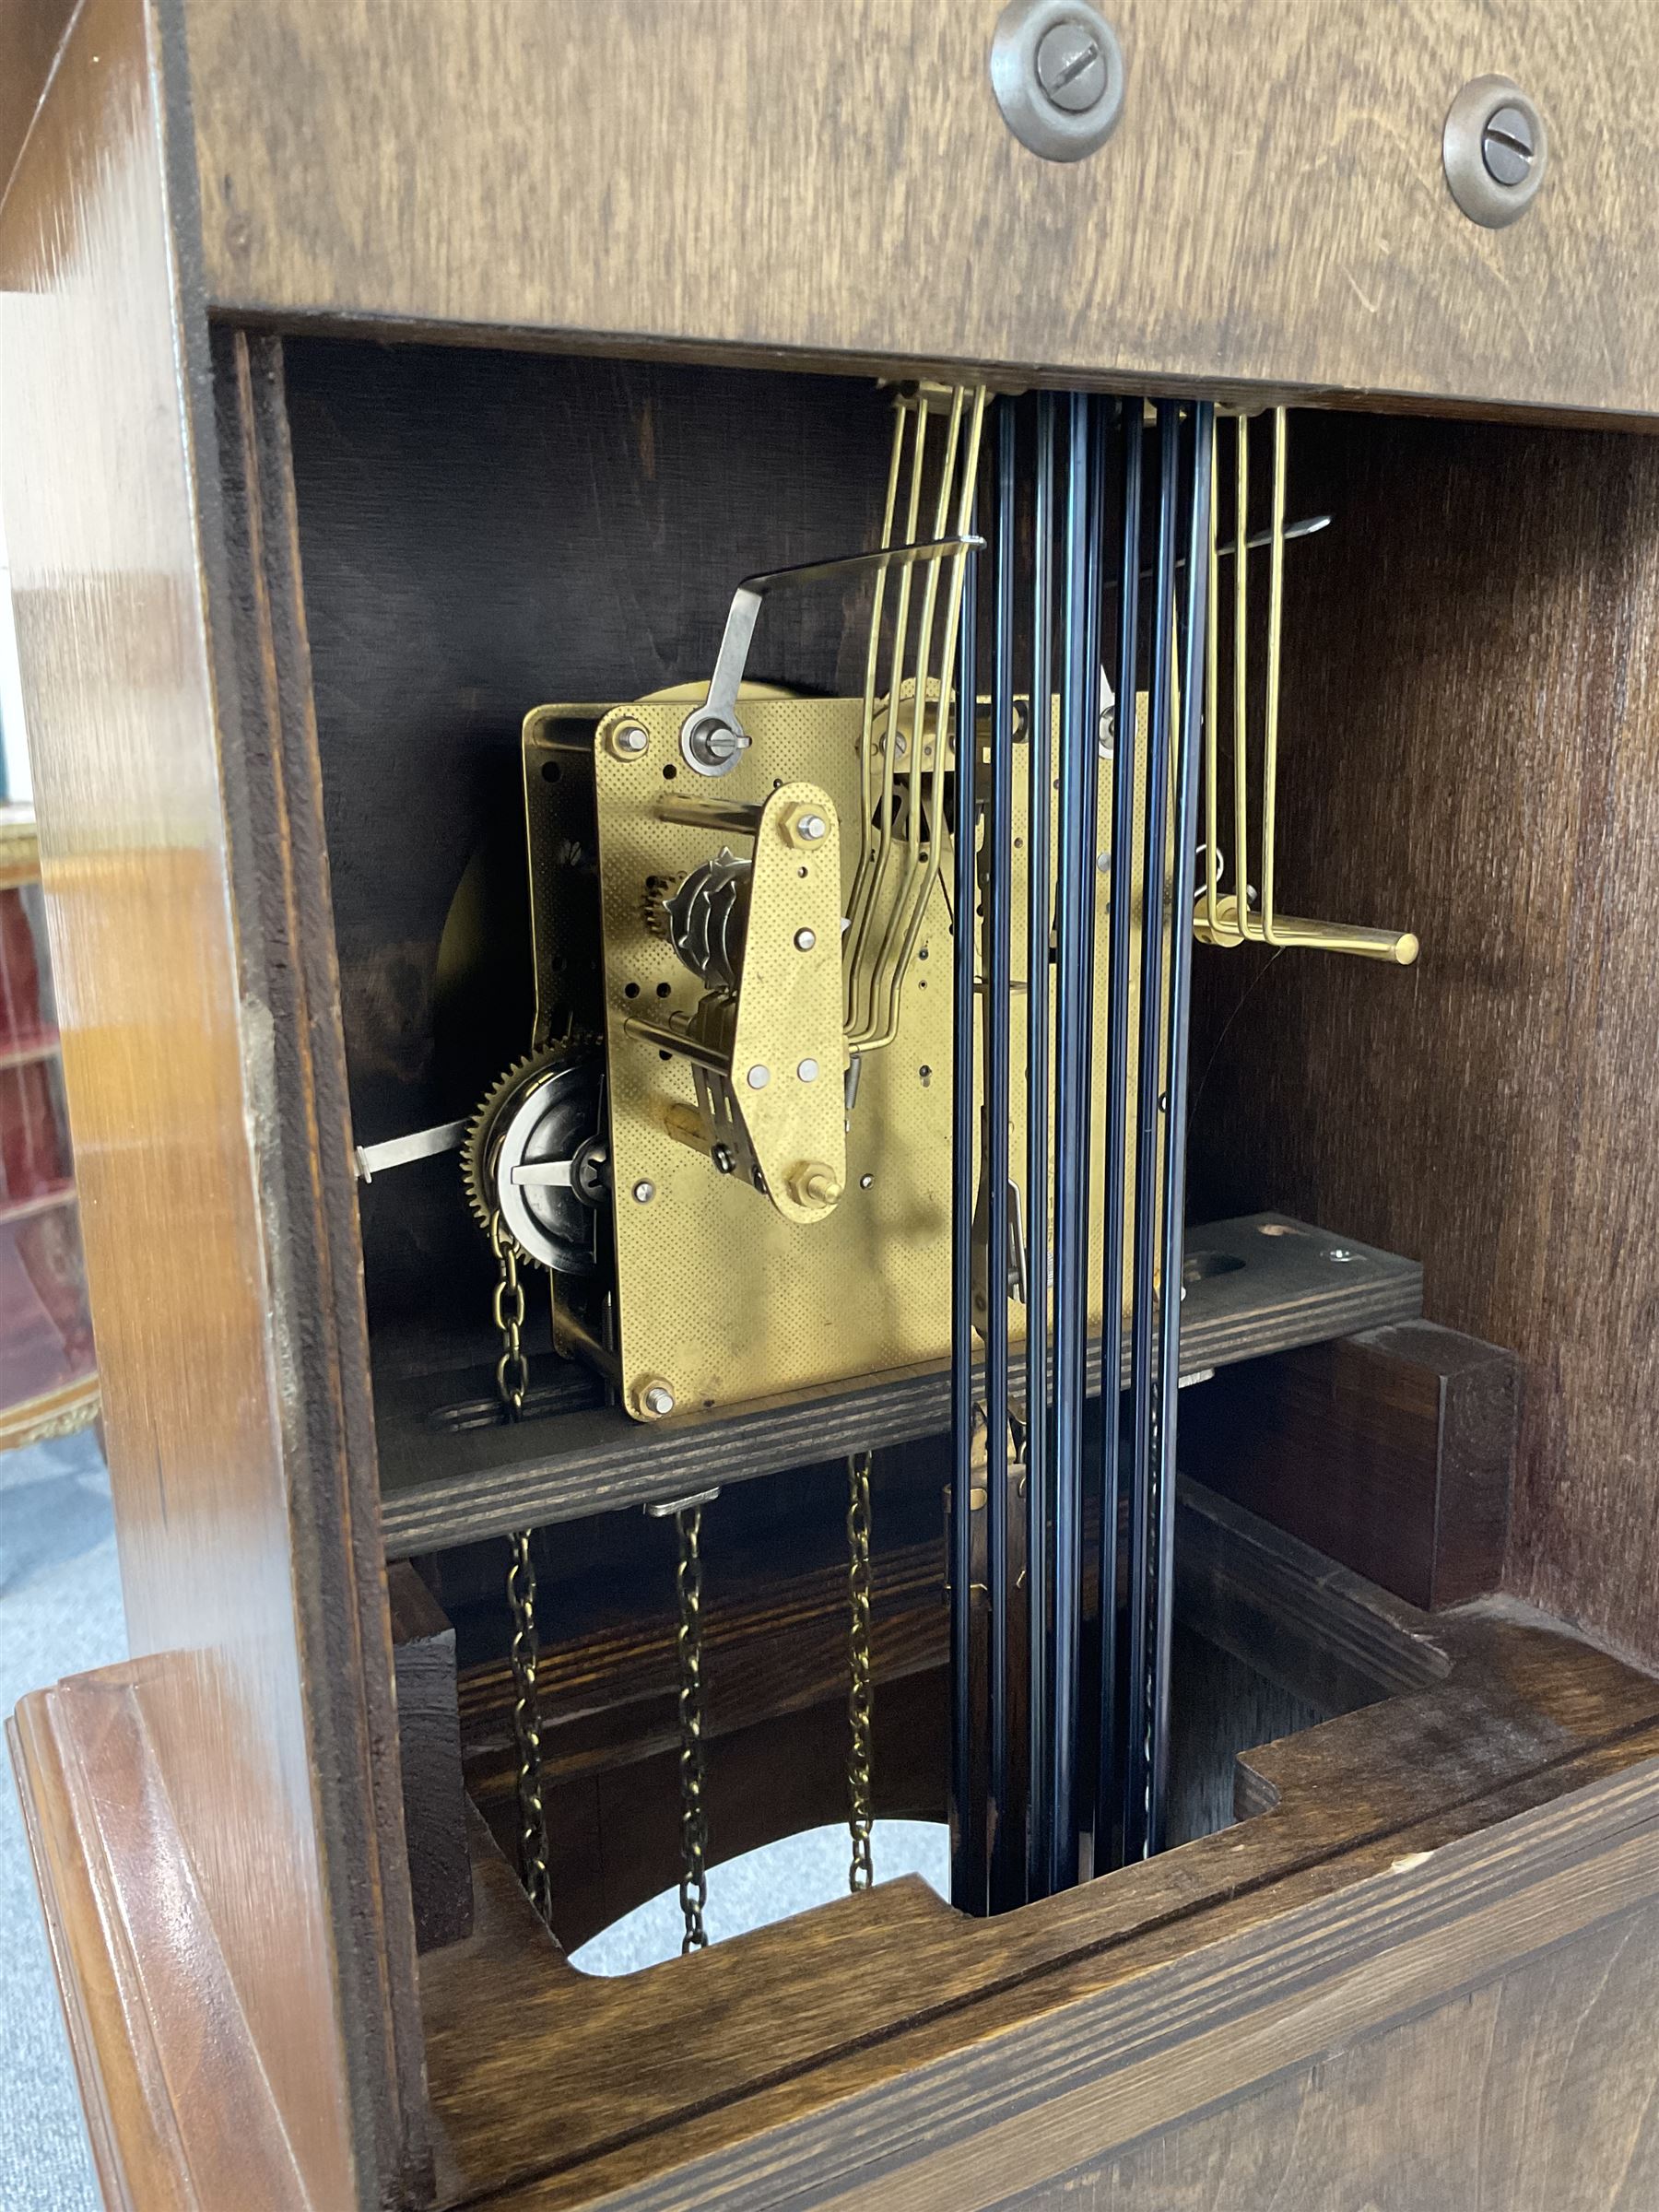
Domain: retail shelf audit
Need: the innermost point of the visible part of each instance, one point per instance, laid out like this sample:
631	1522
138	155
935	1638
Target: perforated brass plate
718	1296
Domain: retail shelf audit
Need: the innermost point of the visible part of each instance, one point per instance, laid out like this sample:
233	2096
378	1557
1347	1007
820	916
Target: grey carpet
60	1614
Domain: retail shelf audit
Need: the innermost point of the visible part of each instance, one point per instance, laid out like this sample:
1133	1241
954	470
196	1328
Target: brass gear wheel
535	1154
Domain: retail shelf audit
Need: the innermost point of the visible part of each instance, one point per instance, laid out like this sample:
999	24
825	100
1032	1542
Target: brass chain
860	1809
694	1820
512	1380
512	1369
526	1729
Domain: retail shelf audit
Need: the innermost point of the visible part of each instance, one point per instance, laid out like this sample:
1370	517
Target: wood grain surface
1391	1451
1430	2113
203	1121
429	1745
1470	709
981	2055
450	1475
833	176
291	993
31	33
481	532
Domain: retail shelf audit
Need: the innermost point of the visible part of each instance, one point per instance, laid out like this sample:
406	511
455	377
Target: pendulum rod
1039	927
968	1891
1144	1391
1073	1023
1120	959
1172	1180
997	1002
860	1692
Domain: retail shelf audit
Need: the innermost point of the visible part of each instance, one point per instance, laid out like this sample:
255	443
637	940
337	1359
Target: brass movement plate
718	1296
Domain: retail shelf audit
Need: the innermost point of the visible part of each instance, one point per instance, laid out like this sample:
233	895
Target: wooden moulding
1259	1284
1392	1453
832	178
1402	1857
179	2106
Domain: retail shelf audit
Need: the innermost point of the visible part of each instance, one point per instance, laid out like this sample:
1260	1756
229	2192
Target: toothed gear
547	1112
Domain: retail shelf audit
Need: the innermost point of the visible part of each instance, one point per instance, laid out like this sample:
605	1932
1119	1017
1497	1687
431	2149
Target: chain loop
860	1808
694	1820
512	1369
526	1728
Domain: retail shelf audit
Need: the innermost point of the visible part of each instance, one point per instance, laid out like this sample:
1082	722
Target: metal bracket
397	1151
711	737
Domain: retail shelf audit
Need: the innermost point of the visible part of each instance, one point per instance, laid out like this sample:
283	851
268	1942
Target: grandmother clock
846	810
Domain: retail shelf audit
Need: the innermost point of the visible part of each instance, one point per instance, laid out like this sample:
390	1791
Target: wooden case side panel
32	33
834	176
176	1090
1447	2109
1467	746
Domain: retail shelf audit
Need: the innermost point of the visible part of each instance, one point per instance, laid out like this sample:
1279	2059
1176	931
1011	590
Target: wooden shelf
450	1473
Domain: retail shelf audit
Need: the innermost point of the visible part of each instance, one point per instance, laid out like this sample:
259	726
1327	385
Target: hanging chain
512	1369
513	1379
526	1729
860	1811
694	1821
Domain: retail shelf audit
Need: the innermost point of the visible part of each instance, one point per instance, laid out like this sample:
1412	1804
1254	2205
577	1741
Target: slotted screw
1507	148
1071	68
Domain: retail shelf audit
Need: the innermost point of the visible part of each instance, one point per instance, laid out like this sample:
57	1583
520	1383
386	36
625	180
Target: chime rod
904	926
1173	1181
867	888
1038	923
1148	1135
998	1013
1074	894
1120	957
967	1866
868	842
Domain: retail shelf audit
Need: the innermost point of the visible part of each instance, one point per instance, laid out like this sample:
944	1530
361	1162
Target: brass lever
712	737
1229	918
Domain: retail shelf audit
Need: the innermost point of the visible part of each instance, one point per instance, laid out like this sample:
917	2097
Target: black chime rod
1120	958
1144	1340
1039	921
1074	891
998	1002
967	1828
1173	1191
